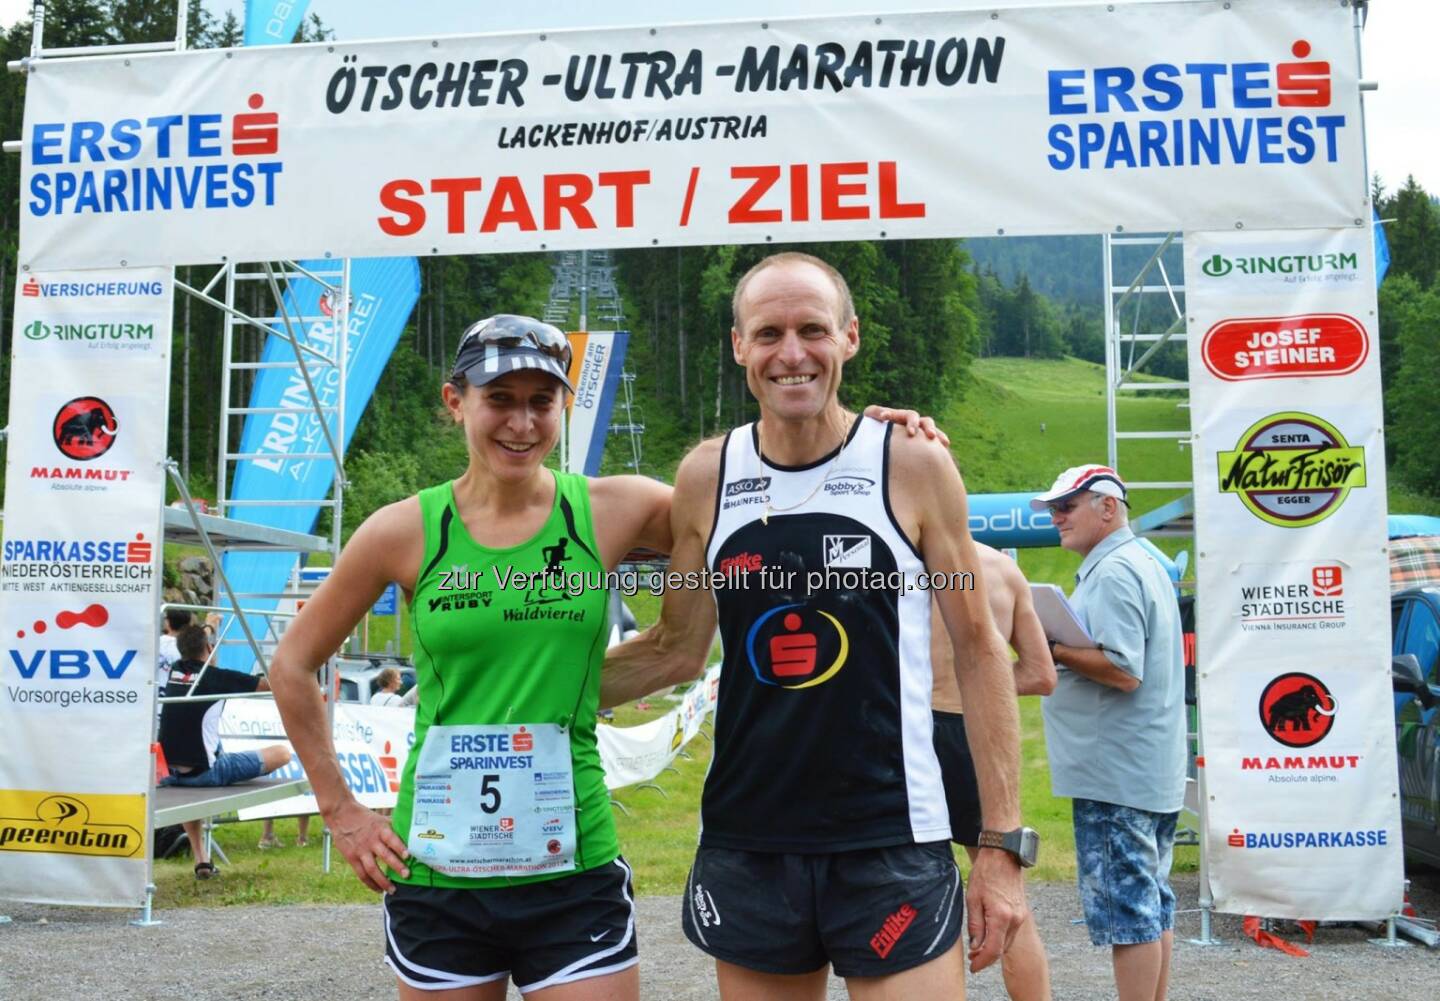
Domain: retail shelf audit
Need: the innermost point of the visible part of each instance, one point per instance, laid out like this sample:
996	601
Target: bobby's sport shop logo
1292	469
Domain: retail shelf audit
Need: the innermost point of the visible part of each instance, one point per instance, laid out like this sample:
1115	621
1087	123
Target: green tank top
488	654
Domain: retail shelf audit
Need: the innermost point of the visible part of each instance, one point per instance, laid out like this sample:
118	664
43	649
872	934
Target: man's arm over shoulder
1034	670
630	512
674	648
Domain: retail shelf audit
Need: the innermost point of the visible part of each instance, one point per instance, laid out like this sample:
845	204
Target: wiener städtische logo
105	824
1292	469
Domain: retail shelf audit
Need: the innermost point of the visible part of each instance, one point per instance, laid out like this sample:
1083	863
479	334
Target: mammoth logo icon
1297	709
85	428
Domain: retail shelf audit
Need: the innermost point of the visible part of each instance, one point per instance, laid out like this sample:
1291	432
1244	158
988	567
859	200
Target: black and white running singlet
823	728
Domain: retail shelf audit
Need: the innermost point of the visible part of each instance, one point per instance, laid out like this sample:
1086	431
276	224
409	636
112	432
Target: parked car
358	673
1415	677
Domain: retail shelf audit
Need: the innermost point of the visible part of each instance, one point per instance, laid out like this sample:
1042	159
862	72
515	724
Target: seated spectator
190	732
387	688
167	653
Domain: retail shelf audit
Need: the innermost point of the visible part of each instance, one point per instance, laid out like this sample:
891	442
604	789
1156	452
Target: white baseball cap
1097	479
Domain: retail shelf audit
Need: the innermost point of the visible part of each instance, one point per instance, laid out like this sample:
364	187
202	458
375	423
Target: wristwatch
1023	843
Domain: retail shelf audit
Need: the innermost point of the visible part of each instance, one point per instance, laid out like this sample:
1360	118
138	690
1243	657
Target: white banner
374	741
1302	817
84	487
1134	116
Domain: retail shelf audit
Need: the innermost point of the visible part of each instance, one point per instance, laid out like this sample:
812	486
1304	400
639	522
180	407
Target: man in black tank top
823	829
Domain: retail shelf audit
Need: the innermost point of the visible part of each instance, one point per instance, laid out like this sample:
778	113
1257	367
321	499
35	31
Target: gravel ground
243	953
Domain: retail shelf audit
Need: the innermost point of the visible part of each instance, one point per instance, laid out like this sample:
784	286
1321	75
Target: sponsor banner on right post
1293	645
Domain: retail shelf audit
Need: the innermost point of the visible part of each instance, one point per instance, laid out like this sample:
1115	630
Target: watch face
1029	846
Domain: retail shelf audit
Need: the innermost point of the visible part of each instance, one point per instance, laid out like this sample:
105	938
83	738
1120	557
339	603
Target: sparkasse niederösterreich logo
1292	469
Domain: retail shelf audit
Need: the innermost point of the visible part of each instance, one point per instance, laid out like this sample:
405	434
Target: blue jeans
228	769
1124	857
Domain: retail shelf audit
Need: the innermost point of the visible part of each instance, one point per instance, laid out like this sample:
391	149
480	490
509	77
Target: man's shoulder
701	466
916	455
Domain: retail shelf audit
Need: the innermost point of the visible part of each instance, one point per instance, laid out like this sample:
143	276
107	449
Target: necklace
769	508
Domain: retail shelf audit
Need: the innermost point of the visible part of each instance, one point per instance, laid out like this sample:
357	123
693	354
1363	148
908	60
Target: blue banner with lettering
384	291
273	22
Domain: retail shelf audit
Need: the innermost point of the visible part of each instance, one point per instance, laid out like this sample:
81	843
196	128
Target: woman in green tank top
503	826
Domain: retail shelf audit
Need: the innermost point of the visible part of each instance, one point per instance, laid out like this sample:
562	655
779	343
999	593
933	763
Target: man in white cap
1115	728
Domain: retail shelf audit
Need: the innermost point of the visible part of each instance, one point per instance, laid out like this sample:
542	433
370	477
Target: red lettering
508	204
455	189
399	197
624	183
832	190
744	208
890	206
799	192
572	200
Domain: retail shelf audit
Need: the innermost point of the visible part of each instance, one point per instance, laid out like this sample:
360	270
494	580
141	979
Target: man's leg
941	979
1026	969
196	836
272	757
739	984
1167	945
1137	970
1123	857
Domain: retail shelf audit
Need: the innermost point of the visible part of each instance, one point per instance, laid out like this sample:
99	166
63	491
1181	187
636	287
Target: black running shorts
868	913
957	772
539	934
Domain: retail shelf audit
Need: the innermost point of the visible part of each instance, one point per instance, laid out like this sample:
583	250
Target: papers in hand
1058	616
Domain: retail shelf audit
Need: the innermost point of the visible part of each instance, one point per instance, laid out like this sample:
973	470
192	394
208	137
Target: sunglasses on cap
507	330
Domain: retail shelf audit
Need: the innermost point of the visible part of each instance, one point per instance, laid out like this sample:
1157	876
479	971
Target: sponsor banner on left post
1292	640
84	490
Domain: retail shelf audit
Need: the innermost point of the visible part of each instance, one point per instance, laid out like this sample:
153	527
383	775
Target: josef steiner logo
1297	709
84	428
1280	347
1292	469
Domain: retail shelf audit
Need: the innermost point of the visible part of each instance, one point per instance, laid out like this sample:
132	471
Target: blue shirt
1120	747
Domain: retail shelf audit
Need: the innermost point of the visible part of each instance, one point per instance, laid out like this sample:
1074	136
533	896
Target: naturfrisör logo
1292	469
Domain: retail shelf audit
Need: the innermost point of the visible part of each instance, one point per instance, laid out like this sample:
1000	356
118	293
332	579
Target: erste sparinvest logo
1185	114
93	167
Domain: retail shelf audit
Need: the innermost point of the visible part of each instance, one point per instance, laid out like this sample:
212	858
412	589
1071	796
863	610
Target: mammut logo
1297	709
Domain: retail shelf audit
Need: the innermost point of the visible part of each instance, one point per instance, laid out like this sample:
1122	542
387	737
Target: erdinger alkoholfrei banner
273	22
597	359
1078	119
383	295
1302	815
84	490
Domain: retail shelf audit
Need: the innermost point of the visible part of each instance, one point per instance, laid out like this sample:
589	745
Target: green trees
916	301
1410	335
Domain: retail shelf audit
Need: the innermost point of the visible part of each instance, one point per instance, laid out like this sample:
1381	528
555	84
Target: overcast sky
1402	122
